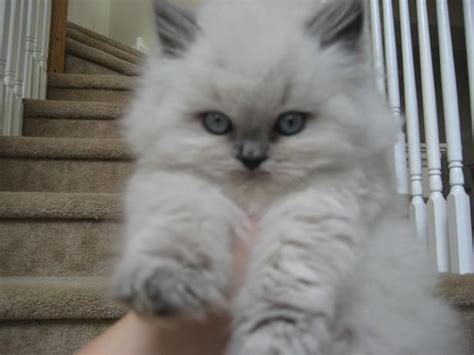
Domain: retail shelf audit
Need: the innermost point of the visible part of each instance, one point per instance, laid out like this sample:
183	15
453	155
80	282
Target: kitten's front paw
162	287
277	337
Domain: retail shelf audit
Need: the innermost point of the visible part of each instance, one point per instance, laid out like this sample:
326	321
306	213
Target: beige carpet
60	201
60	205
83	87
72	119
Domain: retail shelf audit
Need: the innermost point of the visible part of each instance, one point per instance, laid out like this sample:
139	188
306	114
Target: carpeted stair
60	205
84	87
88	52
60	201
72	119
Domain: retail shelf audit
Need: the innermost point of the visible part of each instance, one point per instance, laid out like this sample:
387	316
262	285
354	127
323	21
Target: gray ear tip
339	21
360	3
359	6
164	7
159	4
176	27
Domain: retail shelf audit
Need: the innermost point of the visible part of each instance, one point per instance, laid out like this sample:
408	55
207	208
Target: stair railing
445	223
469	27
24	42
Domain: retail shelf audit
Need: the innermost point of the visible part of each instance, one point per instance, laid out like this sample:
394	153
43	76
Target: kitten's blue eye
290	123
216	123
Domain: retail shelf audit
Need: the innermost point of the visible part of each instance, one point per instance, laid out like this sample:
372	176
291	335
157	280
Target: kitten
267	109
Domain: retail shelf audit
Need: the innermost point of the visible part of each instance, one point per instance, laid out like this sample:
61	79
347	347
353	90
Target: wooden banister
57	44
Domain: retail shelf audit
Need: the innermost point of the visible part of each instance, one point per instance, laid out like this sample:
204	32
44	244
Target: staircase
60	206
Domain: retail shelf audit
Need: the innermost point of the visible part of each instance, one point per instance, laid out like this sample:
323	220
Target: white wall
130	19
123	20
92	14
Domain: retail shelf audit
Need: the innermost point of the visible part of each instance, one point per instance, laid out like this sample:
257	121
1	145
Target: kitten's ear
177	28
339	21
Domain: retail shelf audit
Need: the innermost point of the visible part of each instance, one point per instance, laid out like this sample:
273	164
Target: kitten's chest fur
256	195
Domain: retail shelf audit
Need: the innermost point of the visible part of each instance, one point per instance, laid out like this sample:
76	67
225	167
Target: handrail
24	42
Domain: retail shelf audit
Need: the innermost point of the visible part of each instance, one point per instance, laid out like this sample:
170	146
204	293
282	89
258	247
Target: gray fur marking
339	21
176	27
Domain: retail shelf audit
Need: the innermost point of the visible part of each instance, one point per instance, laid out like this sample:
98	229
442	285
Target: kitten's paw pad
165	288
275	337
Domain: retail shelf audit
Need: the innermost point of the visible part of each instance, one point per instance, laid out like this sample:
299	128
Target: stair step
106	47
63	148
64	175
101	58
53	315
107	40
84	81
49	205
49	337
72	110
77	65
58	247
60	215
46	298
59	234
63	164
71	128
83	87
72	119
458	289
99	95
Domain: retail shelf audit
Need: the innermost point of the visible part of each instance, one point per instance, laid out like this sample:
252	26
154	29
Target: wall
92	14
130	19
123	20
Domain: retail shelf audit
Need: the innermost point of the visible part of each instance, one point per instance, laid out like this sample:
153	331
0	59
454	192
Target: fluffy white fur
336	270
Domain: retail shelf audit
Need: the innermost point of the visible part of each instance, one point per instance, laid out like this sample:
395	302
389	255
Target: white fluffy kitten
267	109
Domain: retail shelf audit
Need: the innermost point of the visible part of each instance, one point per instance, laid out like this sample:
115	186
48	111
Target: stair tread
64	148
107	40
102	58
60	205
51	297
72	109
458	289
102	45
52	127
87	81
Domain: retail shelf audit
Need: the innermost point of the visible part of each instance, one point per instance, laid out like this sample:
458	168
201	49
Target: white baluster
417	204
394	95
37	50
459	218
469	26
436	208
29	50
20	66
5	25
377	48
44	49
10	71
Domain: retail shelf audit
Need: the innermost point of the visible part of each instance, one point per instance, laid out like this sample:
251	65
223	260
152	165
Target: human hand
133	335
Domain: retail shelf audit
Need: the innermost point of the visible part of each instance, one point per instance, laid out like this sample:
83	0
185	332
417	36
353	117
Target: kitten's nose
252	163
252	153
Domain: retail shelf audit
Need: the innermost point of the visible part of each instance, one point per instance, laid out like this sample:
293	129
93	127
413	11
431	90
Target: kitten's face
274	104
